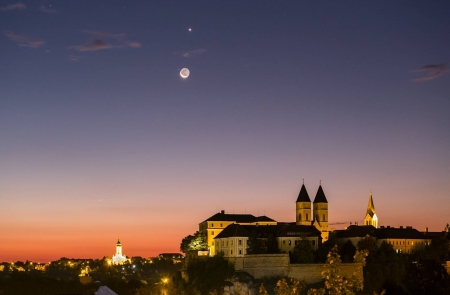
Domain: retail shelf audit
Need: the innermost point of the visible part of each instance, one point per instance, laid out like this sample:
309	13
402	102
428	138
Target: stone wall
277	265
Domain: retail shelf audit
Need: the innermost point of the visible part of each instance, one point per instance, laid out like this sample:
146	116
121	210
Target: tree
254	246
348	251
335	283
207	275
303	252
272	244
196	242
284	288
325	248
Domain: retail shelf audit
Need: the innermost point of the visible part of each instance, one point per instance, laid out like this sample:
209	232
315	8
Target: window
284	242
240	242
231	242
231	252
300	217
296	242
307	217
289	242
212	224
240	252
313	242
213	243
212	233
221	225
323	217
227	243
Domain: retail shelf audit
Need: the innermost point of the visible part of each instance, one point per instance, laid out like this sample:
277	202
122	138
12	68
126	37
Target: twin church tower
319	215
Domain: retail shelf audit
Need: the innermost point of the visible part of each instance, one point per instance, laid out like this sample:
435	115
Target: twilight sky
100	137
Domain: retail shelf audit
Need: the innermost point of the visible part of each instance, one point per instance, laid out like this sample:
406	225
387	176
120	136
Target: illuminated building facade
212	226
371	217
319	215
118	258
233	240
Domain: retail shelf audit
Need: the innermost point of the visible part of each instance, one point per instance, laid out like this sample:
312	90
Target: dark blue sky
93	111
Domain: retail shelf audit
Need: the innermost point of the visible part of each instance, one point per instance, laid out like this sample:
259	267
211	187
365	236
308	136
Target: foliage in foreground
196	242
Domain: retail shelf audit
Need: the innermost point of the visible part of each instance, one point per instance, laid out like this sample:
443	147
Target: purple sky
100	136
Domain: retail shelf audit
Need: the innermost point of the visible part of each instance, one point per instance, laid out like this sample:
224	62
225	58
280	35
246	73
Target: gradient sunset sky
101	138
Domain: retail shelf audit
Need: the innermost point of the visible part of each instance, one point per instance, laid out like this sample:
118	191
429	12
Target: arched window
307	217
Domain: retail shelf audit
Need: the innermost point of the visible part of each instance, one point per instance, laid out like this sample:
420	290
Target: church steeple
370	206
320	211
303	207
371	217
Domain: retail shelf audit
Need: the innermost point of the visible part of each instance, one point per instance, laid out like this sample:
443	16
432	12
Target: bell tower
303	207
320	211
371	217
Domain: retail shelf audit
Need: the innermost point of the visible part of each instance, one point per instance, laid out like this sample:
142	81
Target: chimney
222	211
426	229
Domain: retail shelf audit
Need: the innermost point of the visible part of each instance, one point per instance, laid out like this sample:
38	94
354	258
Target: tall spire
303	194
320	196
370	206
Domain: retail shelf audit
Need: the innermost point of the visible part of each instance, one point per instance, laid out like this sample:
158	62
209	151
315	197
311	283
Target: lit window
289	242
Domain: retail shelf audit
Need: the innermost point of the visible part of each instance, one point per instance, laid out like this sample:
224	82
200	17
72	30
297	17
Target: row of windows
399	243
262	242
312	242
239	243
231	252
212	225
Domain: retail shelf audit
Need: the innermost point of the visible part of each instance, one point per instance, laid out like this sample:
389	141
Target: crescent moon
184	73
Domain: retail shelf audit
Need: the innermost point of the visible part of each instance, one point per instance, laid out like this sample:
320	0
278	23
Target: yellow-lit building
371	217
307	214
233	240
119	258
403	239
212	226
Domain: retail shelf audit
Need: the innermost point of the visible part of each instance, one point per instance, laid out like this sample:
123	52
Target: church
119	258
229	233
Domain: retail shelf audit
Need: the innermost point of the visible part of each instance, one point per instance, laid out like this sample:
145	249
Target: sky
100	136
